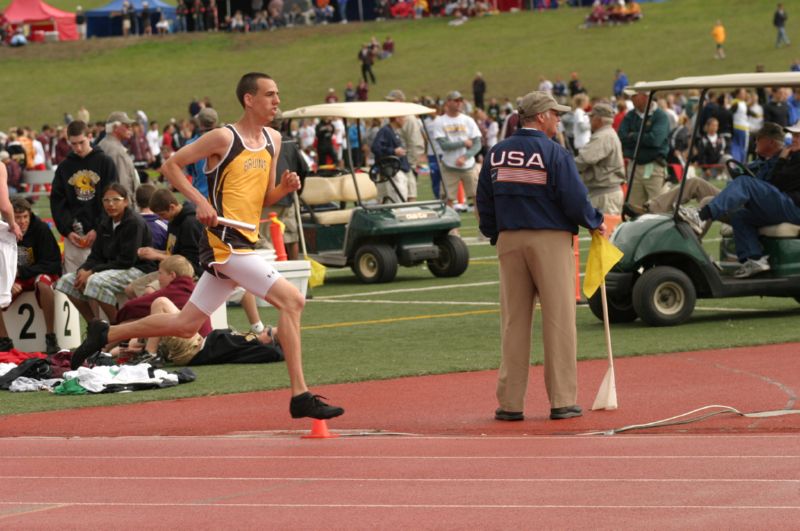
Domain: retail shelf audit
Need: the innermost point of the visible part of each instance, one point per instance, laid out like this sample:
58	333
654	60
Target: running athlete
241	161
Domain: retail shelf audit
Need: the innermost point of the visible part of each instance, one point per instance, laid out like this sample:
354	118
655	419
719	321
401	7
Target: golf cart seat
340	189
782	230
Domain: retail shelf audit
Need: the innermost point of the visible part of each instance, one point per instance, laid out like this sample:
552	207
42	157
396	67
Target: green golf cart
344	225
665	268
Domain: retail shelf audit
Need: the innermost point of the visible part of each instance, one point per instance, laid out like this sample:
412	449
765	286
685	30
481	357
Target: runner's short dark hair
249	85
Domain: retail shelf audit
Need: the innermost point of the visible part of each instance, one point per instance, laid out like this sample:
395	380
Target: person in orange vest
718	33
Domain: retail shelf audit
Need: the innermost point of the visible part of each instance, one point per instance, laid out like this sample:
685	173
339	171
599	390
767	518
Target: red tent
42	18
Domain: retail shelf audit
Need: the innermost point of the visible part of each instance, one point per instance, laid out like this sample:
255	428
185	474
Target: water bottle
77	228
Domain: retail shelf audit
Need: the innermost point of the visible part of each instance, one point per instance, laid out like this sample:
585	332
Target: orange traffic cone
319	430
460	196
276	234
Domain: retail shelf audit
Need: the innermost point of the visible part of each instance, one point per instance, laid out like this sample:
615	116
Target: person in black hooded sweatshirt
75	200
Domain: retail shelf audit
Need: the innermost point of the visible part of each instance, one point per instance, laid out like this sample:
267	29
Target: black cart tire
620	309
664	296
375	264
453	257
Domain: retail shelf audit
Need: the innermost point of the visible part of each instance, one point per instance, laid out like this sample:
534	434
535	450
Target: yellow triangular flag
602	257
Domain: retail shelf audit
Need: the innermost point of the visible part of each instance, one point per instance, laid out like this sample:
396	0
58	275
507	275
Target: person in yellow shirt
718	33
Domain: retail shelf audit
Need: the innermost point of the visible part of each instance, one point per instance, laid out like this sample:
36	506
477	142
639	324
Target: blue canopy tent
106	21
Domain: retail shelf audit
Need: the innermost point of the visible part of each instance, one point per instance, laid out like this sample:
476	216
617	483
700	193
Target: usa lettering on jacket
518	167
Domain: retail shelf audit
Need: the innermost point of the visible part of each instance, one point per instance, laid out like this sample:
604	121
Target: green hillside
160	75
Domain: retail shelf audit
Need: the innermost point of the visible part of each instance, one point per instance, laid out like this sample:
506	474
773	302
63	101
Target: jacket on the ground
529	181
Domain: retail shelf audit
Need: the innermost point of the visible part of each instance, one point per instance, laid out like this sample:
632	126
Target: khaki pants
537	265
695	188
608	203
644	189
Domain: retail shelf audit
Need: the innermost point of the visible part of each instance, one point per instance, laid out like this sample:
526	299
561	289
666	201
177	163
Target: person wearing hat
76	196
769	142
600	162
530	202
118	130
651	160
413	142
459	139
206	120
750	202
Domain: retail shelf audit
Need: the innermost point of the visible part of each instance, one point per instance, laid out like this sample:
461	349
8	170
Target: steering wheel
736	168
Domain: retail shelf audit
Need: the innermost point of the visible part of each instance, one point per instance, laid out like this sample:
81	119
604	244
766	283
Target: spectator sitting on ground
175	280
218	347
323	12
183	239
113	262
387	49
38	268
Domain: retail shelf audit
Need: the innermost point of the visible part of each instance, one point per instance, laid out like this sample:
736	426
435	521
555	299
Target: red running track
624	481
230	461
648	388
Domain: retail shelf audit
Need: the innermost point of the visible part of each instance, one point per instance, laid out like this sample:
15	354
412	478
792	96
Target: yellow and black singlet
236	190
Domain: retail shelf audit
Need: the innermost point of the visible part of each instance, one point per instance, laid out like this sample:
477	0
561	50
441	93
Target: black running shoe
502	414
308	405
568	412
96	339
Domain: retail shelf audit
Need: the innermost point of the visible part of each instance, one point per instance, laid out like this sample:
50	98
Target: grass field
160	75
419	325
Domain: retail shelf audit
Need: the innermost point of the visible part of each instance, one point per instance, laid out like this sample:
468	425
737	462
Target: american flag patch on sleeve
521	176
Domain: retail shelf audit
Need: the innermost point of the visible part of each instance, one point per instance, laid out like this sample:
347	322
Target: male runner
241	162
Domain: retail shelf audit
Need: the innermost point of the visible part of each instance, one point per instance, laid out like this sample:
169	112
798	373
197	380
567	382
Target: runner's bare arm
212	146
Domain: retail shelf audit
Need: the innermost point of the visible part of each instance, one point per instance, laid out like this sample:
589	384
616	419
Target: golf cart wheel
453	257
620	309
664	296
374	264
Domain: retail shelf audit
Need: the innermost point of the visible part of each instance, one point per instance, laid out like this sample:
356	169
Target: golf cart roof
359	109
762	79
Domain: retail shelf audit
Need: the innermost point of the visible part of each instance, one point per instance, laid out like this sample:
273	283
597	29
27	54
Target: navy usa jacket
530	182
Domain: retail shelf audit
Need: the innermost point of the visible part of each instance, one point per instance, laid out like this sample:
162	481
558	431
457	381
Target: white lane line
407	290
405	480
402	506
409	457
424	303
283	435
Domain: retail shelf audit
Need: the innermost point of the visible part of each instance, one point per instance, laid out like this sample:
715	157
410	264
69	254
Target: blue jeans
749	204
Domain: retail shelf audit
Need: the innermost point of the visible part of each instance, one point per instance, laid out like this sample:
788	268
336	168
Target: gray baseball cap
396	95
207	118
603	110
537	102
119	116
454	95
